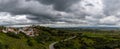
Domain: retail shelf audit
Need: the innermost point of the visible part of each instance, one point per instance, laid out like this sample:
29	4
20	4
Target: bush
30	43
13	35
2	46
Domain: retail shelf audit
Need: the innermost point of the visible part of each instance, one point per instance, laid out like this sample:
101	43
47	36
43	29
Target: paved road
51	46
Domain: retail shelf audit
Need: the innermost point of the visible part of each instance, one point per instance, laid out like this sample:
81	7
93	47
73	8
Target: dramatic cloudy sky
60	12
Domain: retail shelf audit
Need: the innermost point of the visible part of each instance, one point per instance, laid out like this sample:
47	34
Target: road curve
51	46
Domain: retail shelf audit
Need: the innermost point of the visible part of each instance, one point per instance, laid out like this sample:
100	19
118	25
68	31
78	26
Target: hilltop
39	37
21	38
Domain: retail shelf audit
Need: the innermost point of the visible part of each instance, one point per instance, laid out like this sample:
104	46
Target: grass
14	43
91	40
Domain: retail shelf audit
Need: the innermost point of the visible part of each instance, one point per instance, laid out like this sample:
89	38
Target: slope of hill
45	37
84	39
90	40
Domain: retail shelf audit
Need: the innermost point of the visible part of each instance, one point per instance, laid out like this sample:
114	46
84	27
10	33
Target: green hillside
83	39
91	40
42	41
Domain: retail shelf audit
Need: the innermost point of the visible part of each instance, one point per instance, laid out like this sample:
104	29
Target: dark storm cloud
89	5
42	10
23	7
96	12
60	5
45	11
12	6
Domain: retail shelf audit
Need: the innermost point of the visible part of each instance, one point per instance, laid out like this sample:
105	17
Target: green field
85	39
42	41
90	40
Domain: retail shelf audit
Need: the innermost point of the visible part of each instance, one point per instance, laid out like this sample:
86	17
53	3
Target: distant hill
90	27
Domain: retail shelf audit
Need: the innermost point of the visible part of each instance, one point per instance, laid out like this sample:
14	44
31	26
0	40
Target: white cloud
110	20
7	18
95	7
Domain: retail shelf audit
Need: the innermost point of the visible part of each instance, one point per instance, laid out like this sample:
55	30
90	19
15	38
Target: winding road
51	46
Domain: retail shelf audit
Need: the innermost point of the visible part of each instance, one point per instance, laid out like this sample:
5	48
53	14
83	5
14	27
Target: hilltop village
29	31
